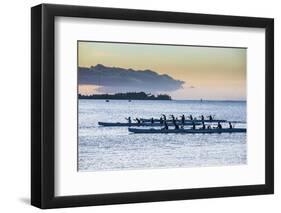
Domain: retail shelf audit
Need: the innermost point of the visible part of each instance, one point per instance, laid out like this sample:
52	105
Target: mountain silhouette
117	79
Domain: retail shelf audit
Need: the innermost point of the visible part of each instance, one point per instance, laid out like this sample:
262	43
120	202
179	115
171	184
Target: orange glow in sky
209	72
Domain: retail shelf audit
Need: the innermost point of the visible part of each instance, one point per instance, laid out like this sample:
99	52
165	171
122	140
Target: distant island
127	80
127	96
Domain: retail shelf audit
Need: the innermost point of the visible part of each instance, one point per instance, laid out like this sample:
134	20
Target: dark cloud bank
115	79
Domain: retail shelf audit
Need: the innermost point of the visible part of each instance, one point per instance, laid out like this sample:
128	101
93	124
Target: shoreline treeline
127	96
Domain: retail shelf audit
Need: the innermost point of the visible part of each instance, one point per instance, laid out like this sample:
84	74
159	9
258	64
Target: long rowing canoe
187	131
198	120
145	124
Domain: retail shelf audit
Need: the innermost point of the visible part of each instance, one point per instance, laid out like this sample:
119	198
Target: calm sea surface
114	148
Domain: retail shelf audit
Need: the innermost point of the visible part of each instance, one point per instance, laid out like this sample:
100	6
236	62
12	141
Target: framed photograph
136	106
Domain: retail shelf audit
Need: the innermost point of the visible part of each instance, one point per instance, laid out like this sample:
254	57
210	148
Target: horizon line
172	99
204	100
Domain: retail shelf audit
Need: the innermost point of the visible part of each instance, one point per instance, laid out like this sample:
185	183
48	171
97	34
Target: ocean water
114	148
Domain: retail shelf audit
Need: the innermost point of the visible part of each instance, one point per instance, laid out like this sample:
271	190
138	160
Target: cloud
115	79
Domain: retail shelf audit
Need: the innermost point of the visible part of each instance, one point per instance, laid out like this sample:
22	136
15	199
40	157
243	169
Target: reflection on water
114	148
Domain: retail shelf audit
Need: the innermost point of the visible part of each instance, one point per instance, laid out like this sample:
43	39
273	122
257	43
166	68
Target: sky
209	73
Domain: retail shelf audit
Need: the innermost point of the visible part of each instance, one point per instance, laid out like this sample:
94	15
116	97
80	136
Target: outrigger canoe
145	124
195	120
186	131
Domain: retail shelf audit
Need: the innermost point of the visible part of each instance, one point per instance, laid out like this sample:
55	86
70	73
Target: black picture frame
43	105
